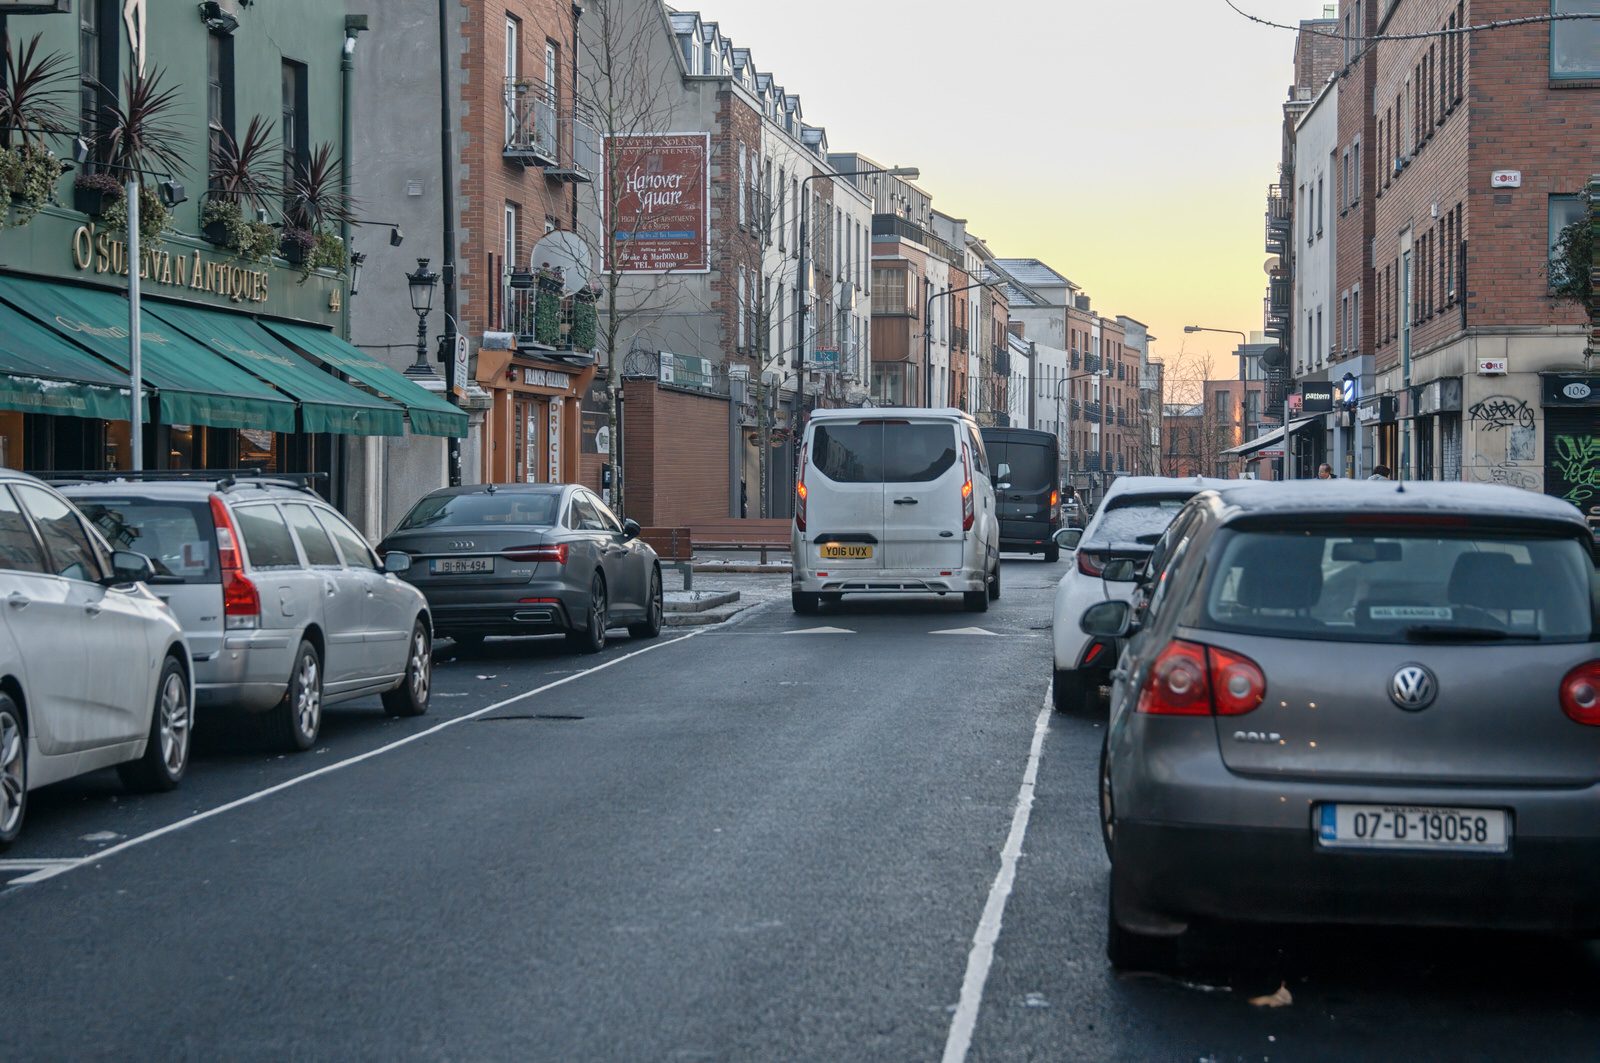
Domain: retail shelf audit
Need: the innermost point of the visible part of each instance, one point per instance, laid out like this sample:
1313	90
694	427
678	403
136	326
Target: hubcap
174	723
1107	823
597	611
421	667
308	699
12	784
655	602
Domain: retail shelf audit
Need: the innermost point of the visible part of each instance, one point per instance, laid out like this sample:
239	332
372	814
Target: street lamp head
1191	328
422	283
910	173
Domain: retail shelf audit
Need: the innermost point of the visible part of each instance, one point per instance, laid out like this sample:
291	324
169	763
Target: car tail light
967	511
241	602
549	554
1580	694
800	491
1189	679
1090	564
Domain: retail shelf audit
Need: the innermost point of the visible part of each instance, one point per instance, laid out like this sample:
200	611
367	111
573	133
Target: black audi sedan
527	559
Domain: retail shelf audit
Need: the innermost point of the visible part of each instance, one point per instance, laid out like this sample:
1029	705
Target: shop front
533	432
1571	404
1436	429
1380	430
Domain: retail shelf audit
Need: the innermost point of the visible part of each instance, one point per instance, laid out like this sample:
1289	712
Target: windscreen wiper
1451	633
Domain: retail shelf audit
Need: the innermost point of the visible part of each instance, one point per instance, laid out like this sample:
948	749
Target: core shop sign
104	253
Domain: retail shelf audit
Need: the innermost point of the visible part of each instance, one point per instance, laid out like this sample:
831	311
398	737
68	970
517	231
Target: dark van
1027	488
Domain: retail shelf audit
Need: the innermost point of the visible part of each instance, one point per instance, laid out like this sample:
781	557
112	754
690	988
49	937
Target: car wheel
994	583
297	721
650	627
1067	692
1108	818
410	698
1052	553
166	750
591	638
804	603
1130	951
13	772
975	601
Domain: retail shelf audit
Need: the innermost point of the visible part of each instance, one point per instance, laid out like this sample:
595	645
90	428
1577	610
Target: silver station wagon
1355	703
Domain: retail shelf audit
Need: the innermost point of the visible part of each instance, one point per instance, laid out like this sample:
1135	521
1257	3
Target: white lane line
51	872
965	1020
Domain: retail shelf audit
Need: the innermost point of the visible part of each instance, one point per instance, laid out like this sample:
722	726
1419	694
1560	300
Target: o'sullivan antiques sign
103	253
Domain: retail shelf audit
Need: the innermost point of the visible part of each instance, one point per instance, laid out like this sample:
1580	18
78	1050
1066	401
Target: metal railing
532	133
571	328
894	225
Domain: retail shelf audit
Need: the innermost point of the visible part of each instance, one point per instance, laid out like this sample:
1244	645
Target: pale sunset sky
1129	145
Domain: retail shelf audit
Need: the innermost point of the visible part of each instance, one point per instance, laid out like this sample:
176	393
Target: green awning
430	414
41	372
195	385
327	404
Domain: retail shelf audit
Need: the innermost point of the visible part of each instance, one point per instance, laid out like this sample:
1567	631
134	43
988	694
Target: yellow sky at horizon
1114	141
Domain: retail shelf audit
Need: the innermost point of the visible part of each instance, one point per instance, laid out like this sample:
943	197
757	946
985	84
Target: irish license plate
461	566
1486	830
845	552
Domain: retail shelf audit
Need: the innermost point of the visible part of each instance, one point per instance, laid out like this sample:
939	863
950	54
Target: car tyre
1052	553
166	749
410	698
1130	951
1068	691
805	603
650	626
975	601
13	772
591	638
1108	812
297	721
994	583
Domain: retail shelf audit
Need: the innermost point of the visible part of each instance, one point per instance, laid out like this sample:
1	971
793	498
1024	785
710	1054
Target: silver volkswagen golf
1355	703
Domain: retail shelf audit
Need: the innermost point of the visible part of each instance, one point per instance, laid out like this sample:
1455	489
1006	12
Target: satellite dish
1270	266
567	252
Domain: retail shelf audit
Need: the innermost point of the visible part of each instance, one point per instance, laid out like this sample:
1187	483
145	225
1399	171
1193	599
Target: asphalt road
771	840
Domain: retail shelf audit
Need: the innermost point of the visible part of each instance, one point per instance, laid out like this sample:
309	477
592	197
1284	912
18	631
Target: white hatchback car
894	501
94	670
1131	518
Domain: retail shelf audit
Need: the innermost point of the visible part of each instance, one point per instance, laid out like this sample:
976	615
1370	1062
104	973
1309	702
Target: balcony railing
1274	320
570	324
958	338
532	136
894	225
1002	361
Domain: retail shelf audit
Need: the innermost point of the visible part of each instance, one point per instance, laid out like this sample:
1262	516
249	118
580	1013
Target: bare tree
1201	433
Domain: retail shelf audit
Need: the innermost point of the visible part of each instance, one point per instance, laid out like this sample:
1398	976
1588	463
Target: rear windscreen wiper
1449	633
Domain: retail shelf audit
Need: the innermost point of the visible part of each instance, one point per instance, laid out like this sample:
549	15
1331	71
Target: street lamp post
422	284
927	335
1062	383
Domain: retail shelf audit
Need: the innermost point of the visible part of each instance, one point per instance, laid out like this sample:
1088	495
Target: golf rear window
884	452
178	537
1396	584
512	508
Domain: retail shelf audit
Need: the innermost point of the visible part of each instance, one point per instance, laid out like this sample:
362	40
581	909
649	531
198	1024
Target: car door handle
18	600
905	501
331	587
93	608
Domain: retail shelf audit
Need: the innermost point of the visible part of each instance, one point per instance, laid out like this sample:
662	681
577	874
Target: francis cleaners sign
659	212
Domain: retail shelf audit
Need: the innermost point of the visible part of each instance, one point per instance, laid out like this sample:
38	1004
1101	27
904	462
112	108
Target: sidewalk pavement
733	593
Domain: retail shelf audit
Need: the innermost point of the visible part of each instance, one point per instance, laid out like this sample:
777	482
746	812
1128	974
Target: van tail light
800	491
1189	679
553	554
967	510
1090	564
241	602
1580	694
1055	507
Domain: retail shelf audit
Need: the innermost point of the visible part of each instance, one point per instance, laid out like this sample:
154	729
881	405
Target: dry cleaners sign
101	252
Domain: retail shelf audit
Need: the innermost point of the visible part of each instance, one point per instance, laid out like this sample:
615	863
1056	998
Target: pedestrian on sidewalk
1380	472
1325	472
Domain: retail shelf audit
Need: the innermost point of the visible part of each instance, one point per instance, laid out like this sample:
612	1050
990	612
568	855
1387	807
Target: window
266	537
513	225
1319	206
294	128
1320	349
1575	44
552	67
744	182
1224	404
176	536
744	296
783	209
72	552
520	508
587	516
351	543
1355	320
890	290
1355	164
314	541
19	550
513	71
1564	210
219	89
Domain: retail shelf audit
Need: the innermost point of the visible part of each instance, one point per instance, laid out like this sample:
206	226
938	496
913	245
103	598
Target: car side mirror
630	530
130	567
1109	620
1121	570
396	562
1069	538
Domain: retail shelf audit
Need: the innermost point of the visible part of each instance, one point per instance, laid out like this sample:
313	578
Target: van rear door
1034	474
923	473
844	509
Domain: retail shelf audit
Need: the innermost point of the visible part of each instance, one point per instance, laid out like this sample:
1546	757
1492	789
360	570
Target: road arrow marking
968	631
822	631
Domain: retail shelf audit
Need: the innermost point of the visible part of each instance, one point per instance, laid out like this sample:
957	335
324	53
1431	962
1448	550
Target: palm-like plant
137	130
34	94
317	201
241	169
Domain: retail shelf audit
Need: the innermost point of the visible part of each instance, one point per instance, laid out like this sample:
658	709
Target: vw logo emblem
1413	688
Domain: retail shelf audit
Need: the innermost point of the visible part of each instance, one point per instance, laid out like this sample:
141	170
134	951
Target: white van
894	501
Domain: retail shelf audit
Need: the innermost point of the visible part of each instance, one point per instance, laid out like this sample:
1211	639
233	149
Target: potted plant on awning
31	107
318	207
139	138
243	185
585	320
547	307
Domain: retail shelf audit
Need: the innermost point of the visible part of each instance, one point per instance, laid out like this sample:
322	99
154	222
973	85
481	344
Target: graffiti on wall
1500	412
1577	464
1480	469
1502	448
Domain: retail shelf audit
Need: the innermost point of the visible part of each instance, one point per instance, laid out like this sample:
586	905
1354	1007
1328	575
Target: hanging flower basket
297	244
93	193
585	321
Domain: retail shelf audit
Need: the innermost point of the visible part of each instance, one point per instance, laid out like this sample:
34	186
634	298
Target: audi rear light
241	602
1237	685
800	491
555	554
968	514
1090	564
1177	684
1580	694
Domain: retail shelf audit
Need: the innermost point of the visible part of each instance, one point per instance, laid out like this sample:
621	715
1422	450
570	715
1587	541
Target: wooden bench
675	548
754	535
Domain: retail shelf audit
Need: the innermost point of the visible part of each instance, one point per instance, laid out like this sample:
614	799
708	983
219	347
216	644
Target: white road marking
140	839
967	631
965	1020
822	631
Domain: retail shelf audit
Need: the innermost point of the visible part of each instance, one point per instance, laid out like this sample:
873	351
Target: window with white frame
1575	43
513	69
744	183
